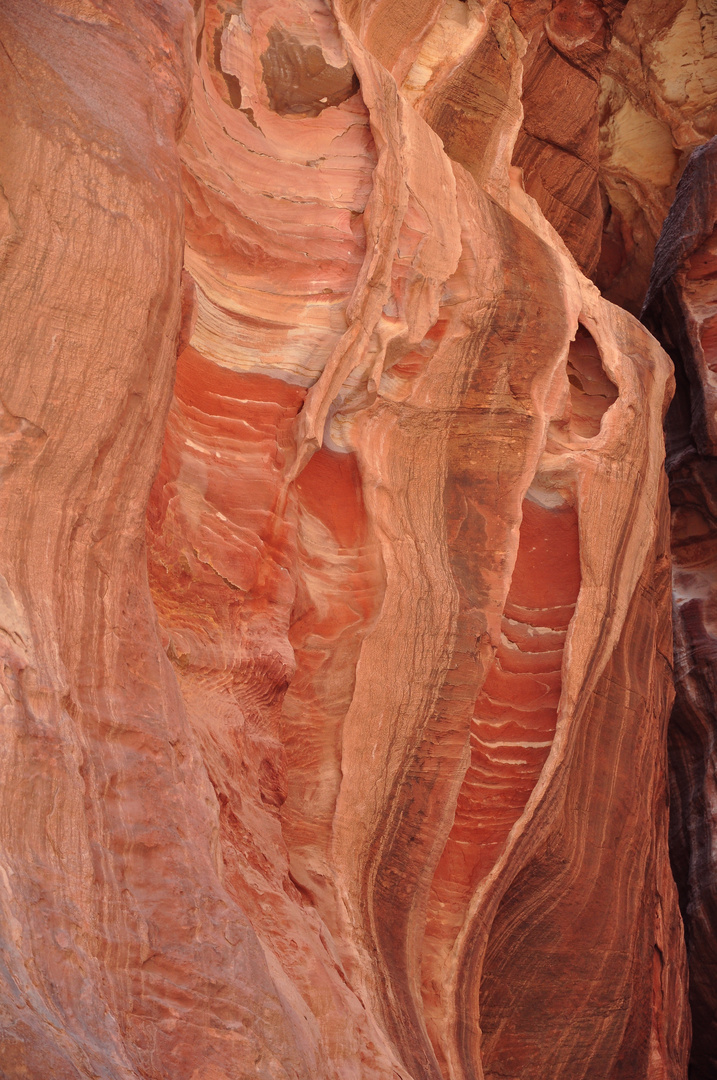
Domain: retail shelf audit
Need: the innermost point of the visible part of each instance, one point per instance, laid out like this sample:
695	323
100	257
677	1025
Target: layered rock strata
657	103
335	577
681	309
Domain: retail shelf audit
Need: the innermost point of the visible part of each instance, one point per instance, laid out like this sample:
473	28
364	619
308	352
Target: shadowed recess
592	391
298	80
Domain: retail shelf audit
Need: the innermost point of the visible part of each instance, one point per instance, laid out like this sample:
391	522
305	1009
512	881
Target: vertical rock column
377	788
681	310
122	955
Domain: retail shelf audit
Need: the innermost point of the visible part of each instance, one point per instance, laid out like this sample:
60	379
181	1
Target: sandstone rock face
658	101
335	595
681	308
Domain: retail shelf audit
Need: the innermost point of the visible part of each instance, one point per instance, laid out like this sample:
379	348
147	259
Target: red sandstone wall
335	562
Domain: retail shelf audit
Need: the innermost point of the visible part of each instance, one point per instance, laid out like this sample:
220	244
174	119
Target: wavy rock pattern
337	658
681	309
658	101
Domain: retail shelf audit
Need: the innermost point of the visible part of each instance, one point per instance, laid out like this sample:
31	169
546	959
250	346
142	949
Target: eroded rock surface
681	308
335	587
658	101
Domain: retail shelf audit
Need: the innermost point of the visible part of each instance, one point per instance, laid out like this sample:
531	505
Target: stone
681	310
335	593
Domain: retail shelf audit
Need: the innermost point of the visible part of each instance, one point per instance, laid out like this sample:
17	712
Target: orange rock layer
335	590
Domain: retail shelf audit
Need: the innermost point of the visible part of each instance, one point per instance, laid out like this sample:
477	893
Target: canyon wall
335	594
681	309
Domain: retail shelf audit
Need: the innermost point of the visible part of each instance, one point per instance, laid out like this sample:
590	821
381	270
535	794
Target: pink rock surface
335	595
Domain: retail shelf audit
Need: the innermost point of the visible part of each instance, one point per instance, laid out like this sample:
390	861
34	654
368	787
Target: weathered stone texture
681	309
335	594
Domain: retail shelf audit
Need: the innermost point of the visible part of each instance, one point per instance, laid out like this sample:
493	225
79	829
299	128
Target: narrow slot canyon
358	527
681	310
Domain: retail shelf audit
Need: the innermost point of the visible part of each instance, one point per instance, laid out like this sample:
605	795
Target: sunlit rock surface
658	101
335	595
681	309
